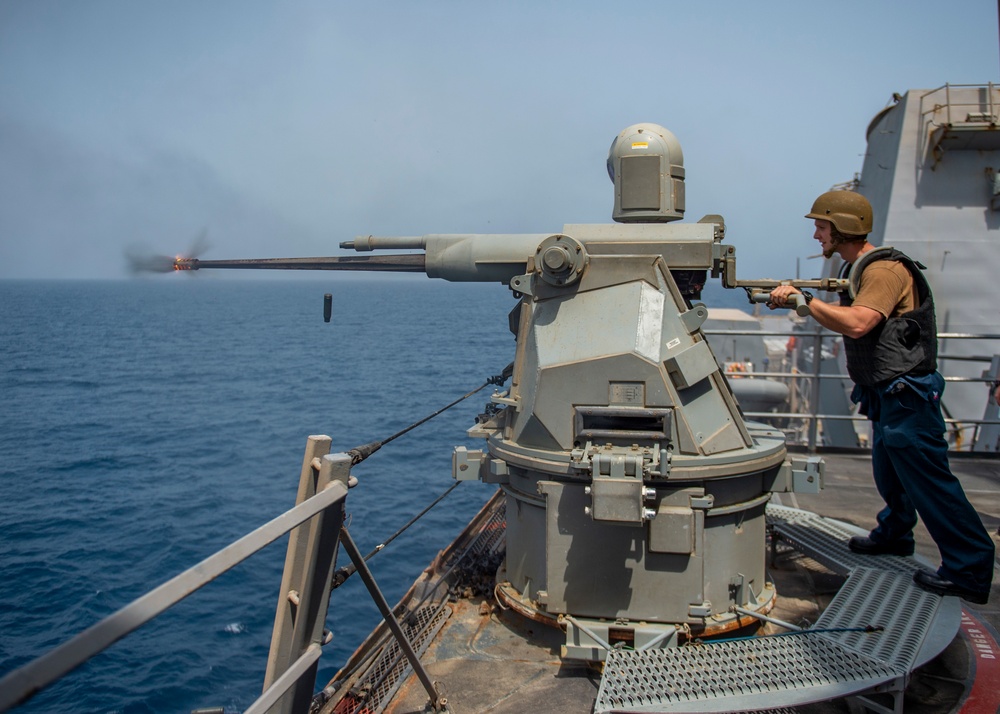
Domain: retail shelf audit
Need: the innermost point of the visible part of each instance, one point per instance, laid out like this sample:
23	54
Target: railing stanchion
817	363
305	582
986	437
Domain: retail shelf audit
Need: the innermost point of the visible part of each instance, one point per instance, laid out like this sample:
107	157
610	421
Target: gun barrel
468	257
403	263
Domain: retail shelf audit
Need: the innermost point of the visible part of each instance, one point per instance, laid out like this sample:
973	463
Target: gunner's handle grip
797	301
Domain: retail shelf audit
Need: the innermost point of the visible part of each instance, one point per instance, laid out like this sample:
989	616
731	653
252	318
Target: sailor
890	342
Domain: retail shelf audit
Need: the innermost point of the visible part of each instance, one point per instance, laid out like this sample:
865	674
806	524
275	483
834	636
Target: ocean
144	424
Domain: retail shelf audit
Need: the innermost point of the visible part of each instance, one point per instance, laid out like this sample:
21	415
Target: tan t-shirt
887	287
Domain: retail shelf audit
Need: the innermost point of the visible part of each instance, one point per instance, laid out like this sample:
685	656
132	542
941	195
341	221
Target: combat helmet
848	211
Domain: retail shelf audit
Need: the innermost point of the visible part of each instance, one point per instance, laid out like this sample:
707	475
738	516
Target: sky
280	129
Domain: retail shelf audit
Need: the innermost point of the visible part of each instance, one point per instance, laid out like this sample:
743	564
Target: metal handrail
827	334
809	375
316	527
26	681
948	104
851	417
814	417
292	676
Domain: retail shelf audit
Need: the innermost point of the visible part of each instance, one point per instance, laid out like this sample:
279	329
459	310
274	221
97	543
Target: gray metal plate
761	672
825	540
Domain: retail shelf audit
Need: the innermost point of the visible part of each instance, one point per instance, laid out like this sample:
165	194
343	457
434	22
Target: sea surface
145	424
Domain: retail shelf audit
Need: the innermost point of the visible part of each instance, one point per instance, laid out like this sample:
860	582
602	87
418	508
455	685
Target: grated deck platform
828	661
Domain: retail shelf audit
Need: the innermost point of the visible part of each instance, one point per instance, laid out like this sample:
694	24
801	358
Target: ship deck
485	659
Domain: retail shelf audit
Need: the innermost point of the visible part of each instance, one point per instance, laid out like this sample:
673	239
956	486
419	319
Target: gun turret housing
635	489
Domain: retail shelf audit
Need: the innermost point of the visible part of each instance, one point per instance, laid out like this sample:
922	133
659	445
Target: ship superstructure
932	174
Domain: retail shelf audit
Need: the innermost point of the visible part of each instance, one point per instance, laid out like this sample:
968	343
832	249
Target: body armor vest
906	344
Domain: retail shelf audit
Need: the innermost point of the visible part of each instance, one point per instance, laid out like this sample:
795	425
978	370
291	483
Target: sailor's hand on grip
786	296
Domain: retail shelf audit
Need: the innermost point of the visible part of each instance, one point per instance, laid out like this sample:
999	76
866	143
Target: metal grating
490	539
883	598
391	668
785	514
811	666
825	541
734	675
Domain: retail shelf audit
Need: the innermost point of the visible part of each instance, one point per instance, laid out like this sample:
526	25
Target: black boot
865	545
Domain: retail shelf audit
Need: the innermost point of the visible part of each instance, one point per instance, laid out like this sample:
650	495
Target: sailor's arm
849	320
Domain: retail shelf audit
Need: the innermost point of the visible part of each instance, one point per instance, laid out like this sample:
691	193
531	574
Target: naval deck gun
635	489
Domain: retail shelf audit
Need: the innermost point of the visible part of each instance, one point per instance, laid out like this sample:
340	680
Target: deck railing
813	417
985	105
316	525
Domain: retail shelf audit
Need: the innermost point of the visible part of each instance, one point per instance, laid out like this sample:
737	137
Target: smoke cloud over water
67	211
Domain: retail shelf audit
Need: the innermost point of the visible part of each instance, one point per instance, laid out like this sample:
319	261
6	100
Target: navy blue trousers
910	466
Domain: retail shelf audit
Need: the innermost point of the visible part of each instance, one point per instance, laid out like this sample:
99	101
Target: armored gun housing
635	489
